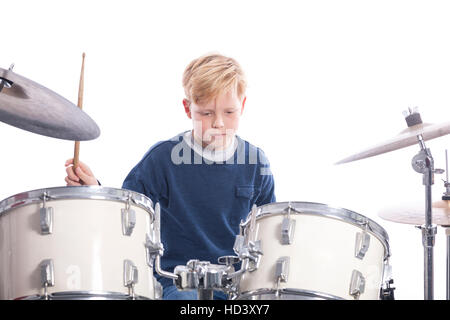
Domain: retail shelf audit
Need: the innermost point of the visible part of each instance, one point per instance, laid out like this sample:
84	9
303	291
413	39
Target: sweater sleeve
147	177
267	193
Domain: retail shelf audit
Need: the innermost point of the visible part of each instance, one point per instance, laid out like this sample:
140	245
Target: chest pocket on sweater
247	192
245	197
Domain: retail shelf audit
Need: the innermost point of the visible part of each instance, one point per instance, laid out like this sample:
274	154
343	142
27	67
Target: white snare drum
83	242
313	251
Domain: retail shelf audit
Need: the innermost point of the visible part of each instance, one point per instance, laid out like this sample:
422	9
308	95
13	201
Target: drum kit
94	242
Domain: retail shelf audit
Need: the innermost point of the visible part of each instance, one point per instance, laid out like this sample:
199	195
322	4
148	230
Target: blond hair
210	75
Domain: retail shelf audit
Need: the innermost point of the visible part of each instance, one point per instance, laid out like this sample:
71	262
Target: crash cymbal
406	138
27	105
415	213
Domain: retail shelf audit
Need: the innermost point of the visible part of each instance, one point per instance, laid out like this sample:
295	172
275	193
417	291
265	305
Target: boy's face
215	123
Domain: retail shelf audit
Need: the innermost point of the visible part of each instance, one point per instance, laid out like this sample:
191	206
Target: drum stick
76	154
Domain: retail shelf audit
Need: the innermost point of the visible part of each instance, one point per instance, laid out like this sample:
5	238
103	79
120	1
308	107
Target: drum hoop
315	208
76	192
290	291
76	295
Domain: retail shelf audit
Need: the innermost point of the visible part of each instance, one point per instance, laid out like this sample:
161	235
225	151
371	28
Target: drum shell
321	256
87	247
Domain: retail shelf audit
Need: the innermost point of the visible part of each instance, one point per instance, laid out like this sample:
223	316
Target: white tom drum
314	251
85	242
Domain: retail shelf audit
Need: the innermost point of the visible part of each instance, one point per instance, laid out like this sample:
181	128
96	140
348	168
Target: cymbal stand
423	163
445	197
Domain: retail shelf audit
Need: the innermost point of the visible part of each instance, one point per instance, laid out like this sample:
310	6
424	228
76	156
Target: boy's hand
81	176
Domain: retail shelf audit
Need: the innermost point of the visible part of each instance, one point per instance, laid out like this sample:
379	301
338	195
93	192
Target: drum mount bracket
203	276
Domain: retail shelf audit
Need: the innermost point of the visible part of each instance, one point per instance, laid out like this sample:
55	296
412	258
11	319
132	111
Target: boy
207	179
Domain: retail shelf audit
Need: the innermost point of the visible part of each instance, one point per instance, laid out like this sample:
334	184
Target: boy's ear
243	104
187	107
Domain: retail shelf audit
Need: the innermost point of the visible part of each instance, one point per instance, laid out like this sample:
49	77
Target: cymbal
404	139
27	105
415	213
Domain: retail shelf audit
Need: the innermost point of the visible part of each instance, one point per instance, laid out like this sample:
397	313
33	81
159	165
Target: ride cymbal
406	138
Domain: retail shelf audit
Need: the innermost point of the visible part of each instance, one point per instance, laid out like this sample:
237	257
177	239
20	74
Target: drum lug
47	275
128	218
357	284
282	269
46	217
287	231
130	276
362	244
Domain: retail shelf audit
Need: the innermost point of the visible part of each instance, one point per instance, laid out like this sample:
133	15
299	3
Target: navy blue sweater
202	202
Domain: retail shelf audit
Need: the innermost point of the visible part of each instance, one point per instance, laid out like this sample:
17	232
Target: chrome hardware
446	194
287	227
386	291
187	278
254	255
152	249
5	83
282	269
239	242
157	287
252	234
201	275
47	275
46	217
357	284
130	276
156	249
287	231
428	235
387	272
250	252
212	277
128	218
248	248
362	244
228	260
412	116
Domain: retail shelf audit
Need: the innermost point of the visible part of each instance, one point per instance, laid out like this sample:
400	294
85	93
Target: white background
327	79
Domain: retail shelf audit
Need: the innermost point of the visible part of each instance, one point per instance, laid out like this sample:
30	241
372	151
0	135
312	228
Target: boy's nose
218	122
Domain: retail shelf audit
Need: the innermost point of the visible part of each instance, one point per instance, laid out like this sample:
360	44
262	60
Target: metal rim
76	192
315	295
313	208
83	295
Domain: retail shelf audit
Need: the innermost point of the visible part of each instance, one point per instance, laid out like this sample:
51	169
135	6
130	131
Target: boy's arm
267	194
148	180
